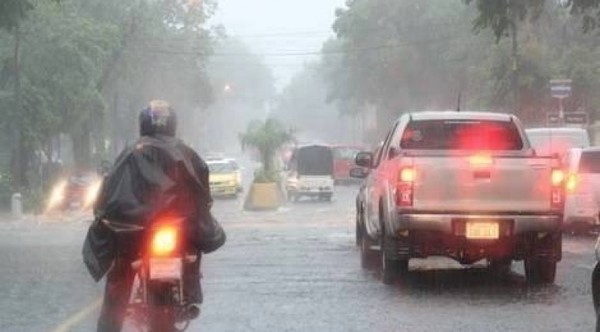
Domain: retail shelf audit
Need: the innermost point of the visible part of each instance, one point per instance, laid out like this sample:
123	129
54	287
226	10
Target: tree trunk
266	160
19	163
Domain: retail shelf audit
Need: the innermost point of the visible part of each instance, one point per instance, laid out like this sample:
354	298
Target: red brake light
557	190
404	187
164	240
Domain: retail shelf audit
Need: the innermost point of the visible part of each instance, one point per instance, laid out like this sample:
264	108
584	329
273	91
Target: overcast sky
273	27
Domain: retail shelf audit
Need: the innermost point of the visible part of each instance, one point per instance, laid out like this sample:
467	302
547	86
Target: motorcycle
157	301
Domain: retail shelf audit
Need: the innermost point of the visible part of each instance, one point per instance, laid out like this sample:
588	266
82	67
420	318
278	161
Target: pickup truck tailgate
468	184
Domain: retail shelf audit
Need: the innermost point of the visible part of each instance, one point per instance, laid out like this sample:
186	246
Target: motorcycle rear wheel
162	320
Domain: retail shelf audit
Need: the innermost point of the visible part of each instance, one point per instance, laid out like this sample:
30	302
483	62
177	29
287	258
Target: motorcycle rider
158	176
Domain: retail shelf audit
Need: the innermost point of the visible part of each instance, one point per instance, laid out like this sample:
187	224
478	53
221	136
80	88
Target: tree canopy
498	15
84	69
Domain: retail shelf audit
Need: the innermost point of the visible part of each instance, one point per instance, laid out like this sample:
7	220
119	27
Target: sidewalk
7	218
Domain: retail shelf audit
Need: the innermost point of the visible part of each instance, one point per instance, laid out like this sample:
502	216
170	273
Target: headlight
92	193
57	195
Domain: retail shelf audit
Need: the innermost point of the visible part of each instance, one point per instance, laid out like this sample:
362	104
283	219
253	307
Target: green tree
401	55
86	67
267	137
499	15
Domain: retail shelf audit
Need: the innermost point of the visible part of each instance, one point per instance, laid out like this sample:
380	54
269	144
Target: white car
549	141
310	173
582	189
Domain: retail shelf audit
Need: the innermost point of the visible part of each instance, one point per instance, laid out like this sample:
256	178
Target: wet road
295	270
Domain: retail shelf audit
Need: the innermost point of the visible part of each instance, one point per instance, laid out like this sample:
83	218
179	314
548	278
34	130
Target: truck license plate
165	268
482	230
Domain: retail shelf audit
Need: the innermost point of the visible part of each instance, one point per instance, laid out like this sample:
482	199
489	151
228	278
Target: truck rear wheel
358	232
540	271
391	269
500	267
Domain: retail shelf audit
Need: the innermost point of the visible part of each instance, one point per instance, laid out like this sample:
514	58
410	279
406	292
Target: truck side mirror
364	159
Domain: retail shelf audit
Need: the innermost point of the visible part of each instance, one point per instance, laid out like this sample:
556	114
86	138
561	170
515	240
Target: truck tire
596	287
391	269
358	231
368	257
540	271
500	267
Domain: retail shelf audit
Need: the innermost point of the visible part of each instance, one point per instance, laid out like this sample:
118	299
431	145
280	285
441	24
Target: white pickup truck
465	185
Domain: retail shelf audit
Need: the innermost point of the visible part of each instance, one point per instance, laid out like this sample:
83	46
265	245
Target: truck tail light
558	176
557	194
571	183
404	187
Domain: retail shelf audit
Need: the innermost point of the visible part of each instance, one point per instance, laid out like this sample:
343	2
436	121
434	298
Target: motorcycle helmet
158	118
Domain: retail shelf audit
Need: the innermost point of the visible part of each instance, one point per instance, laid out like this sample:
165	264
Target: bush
33	201
5	191
262	176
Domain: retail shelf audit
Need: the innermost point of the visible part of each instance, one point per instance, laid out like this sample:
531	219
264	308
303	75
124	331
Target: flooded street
297	270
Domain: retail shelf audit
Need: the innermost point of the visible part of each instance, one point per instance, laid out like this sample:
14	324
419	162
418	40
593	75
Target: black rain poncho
158	176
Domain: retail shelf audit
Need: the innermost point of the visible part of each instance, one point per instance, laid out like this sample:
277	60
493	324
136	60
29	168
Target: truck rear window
590	162
461	135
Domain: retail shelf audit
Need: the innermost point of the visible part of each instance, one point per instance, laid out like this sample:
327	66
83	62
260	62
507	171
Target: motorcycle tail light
164	240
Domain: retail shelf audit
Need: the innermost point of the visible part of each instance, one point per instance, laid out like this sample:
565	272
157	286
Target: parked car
238	173
464	185
582	203
549	141
223	178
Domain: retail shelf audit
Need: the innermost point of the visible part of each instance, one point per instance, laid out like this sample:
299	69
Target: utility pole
515	59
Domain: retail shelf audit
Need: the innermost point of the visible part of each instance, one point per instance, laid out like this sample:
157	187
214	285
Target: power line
312	34
299	53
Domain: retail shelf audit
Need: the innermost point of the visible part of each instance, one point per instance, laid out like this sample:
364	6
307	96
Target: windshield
313	160
461	135
220	167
